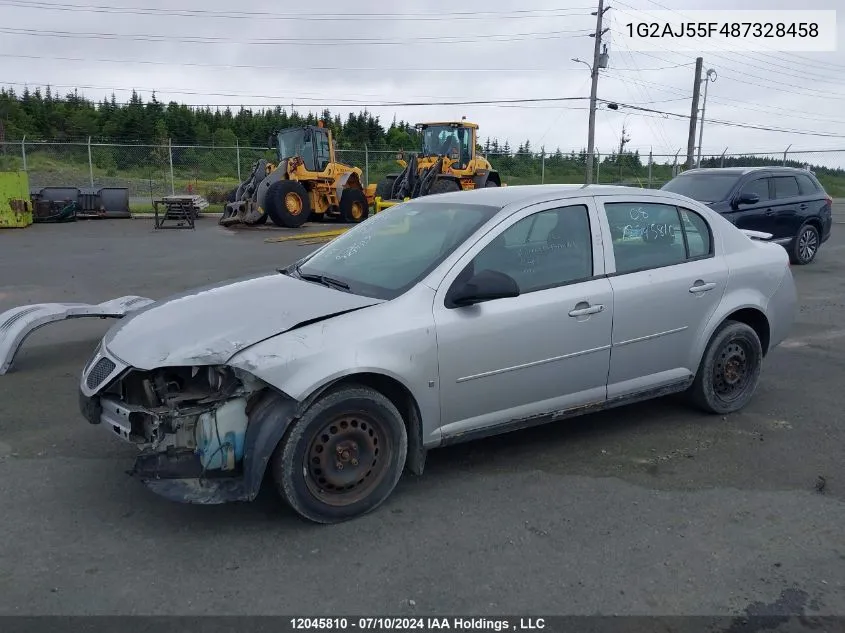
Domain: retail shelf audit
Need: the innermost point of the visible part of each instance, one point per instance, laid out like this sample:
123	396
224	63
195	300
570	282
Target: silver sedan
440	320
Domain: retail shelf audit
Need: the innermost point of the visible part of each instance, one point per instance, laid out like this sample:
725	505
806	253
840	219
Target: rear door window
786	187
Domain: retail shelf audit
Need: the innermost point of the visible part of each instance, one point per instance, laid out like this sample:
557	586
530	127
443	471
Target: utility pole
598	57
622	142
693	117
710	73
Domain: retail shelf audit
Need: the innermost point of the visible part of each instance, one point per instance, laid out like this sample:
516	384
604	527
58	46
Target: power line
808	92
748	55
450	15
391	104
662	6
736	124
275	67
197	39
345	102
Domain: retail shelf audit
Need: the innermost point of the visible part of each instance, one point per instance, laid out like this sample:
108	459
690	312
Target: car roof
501	197
741	171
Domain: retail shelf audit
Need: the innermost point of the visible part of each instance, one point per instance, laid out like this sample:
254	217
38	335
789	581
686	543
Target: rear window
702	187
808	186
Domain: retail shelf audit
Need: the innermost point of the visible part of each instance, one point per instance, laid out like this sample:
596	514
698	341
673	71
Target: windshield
387	254
292	143
702	187
445	140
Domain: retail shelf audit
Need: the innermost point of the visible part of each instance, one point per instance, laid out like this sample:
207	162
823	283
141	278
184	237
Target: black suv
789	203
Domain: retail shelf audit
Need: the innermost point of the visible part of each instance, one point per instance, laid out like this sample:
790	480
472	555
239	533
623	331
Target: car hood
209	325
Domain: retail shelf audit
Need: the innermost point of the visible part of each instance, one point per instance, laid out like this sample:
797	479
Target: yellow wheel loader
447	162
307	183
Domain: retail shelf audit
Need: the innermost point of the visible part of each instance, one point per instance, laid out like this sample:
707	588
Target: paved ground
650	509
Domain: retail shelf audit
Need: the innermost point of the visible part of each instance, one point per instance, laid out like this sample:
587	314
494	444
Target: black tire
384	186
491	183
287	203
339	424
354	207
729	371
806	245
443	185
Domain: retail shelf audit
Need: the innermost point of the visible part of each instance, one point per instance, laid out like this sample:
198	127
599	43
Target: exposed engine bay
181	410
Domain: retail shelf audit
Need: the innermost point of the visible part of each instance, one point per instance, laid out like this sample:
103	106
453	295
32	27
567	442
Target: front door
547	349
666	285
759	216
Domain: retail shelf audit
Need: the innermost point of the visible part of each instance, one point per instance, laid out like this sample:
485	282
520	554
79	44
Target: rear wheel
806	245
729	371
443	185
491	183
343	457
287	204
353	206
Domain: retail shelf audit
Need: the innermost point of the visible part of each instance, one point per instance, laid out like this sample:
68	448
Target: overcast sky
515	50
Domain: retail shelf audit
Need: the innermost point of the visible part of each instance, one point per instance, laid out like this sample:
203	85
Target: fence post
785	152
543	167
170	154
23	151
90	163
366	166
650	159
238	153
598	167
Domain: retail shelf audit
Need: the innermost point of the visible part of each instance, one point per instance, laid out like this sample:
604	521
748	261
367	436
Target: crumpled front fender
18	323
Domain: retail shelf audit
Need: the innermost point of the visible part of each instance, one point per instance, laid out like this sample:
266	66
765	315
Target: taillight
829	200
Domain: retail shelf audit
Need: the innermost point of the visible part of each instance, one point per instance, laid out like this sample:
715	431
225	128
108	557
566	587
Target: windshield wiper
323	279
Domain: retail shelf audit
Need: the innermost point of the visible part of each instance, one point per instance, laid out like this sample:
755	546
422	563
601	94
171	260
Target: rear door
667	282
812	202
787	207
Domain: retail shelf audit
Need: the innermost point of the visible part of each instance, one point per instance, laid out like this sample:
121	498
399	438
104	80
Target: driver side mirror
487	285
747	198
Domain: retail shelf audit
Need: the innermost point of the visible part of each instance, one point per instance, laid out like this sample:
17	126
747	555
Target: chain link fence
150	171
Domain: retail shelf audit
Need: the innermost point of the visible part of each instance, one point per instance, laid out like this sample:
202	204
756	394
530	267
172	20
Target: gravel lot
649	509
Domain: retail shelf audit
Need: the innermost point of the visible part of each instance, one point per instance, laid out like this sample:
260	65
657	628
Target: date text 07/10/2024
379	624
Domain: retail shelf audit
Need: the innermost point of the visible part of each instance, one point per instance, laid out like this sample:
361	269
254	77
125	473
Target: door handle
700	286
577	312
769	212
803	207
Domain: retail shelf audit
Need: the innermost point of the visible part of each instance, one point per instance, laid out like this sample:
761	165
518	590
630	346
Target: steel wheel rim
357	210
347	459
733	370
293	203
807	244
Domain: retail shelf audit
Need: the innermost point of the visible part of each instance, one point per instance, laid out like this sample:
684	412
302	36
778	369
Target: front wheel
729	371
354	207
287	203
806	245
343	457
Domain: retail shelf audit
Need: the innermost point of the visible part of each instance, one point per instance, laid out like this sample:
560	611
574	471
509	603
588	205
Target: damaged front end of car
191	425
